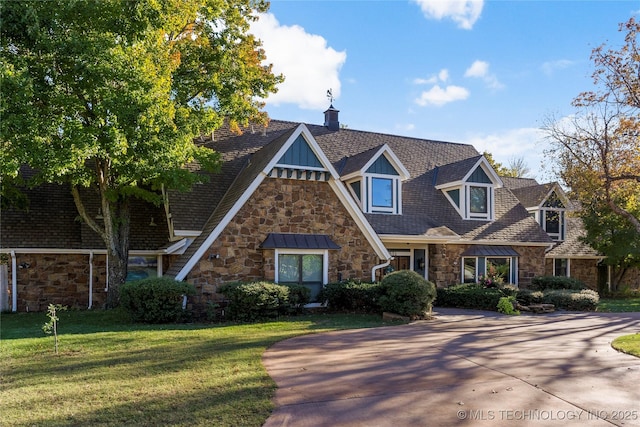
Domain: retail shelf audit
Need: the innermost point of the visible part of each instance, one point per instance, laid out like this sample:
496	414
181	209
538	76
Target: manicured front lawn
629	344
619	305
112	372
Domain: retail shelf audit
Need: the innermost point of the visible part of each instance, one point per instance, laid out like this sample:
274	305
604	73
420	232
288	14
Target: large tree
109	95
596	151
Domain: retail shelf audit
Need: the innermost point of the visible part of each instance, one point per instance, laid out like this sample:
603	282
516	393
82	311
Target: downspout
90	280
378	267
14	282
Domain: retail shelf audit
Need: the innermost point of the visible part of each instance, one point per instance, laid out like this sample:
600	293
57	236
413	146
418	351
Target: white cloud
550	67
439	96
480	69
477	69
309	66
464	12
526	143
443	76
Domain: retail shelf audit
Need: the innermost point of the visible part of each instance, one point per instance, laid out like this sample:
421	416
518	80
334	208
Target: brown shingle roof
424	207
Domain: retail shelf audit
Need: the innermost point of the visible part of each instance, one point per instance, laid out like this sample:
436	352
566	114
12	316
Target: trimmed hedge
543	283
258	300
584	300
352	296
470	295
155	300
474	296
407	293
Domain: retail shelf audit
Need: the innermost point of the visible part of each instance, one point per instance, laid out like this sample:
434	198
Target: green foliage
51	327
584	300
352	296
474	296
110	95
506	305
406	293
155	300
612	234
471	295
260	300
530	296
542	283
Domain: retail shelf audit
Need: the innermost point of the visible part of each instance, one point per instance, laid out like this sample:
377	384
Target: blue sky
487	73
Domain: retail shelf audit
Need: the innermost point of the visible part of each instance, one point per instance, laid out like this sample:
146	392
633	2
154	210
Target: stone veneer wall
445	269
282	206
57	279
585	270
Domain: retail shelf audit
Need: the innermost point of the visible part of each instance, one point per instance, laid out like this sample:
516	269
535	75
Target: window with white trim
303	267
473	198
551	217
474	269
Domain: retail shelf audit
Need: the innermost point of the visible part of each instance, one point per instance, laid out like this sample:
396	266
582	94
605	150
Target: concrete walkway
464	368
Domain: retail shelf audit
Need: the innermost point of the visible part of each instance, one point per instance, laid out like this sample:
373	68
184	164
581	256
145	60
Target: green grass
112	372
629	344
619	305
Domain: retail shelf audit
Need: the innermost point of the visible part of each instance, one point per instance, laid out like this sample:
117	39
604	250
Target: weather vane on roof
330	95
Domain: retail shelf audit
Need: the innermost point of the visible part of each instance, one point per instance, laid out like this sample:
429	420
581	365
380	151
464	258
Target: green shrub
505	305
584	300
470	295
155	300
543	283
259	300
406	293
529	296
352	296
299	296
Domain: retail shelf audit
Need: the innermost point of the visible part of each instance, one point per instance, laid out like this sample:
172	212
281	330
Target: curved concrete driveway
463	368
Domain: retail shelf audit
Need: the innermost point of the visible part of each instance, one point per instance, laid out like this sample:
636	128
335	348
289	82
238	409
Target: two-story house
301	203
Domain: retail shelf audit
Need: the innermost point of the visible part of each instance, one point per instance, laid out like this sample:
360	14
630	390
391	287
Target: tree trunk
117	248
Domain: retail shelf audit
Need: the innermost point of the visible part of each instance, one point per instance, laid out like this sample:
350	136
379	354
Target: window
552	218
382	192
478	200
553	222
307	269
561	267
475	268
469	272
472	197
499	268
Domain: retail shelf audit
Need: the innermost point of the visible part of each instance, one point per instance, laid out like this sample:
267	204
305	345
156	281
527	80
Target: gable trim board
334	183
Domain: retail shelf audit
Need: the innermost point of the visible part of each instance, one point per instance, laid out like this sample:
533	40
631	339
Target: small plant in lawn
51	327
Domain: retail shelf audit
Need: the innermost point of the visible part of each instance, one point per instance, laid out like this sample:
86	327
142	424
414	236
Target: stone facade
282	206
445	268
44	279
587	271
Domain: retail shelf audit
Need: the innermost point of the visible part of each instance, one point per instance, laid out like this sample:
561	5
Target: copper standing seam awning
298	241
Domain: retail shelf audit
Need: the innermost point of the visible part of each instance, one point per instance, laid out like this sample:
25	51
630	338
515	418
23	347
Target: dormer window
471	194
551	217
377	184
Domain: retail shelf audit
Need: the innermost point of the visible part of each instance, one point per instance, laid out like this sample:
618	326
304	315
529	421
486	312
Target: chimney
331	118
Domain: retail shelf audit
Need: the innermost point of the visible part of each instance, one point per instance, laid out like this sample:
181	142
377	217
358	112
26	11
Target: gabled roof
573	246
248	179
534	196
459	172
426	211
359	164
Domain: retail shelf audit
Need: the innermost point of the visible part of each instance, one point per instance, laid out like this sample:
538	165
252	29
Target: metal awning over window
298	241
490	251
